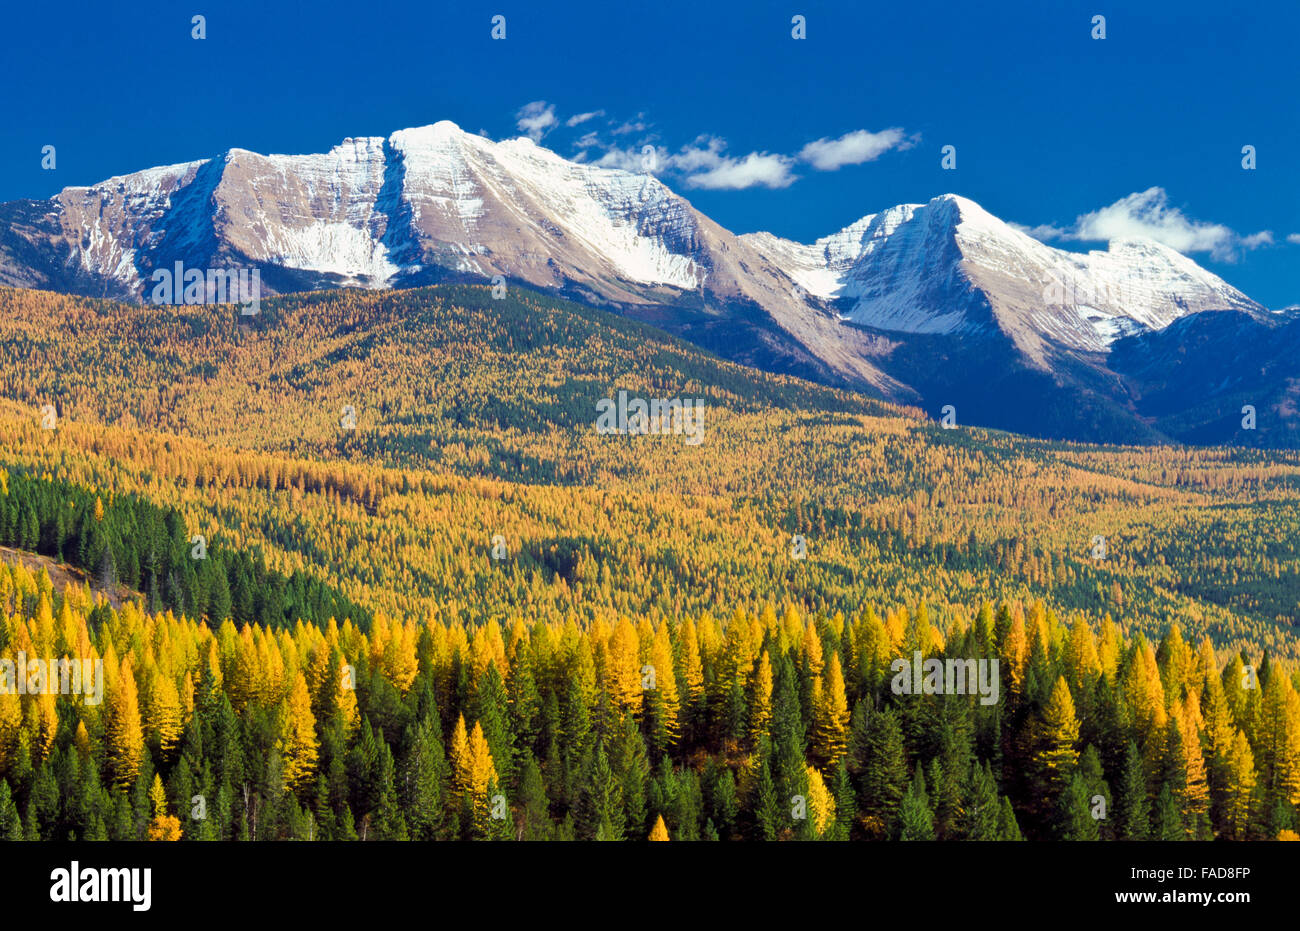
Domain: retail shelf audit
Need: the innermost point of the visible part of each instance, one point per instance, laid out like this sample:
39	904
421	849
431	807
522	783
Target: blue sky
1076	137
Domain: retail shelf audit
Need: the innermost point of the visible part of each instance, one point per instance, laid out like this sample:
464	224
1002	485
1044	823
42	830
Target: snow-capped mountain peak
436	203
377	212
950	266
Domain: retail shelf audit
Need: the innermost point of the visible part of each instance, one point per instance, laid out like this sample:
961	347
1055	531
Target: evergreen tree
386	820
106	571
1076	818
218	600
788	766
11	825
1169	820
725	806
916	820
600	810
1134	820
424	779
769	812
1008	829
884	778
984	811
1090	770
632	769
534	817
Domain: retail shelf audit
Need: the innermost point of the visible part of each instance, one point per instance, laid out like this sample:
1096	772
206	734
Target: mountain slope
929	304
1194	378
949	266
1013	333
476	417
424	370
435	204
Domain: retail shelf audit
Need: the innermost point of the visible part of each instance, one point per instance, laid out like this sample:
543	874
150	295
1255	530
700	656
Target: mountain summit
919	303
434	204
950	266
374	212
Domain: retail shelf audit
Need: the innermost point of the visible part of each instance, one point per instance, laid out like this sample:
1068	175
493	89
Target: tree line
126	540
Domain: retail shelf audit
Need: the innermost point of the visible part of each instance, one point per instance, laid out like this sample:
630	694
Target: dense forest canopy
467	613
767	726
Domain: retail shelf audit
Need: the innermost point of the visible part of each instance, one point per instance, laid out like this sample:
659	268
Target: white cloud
705	163
1255	240
579	118
1294	239
631	126
852	148
625	159
1043	232
704	153
1147	215
757	169
536	119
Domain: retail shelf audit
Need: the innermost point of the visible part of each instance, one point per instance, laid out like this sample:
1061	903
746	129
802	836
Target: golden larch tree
830	716
760	700
622	670
163	717
298	743
1238	807
662	701
1053	737
125	736
821	804
163	826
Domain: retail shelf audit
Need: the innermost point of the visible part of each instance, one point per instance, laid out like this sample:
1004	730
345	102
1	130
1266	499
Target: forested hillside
759	726
447	599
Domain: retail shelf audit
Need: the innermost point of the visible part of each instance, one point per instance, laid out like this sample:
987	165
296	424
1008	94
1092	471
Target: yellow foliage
821	804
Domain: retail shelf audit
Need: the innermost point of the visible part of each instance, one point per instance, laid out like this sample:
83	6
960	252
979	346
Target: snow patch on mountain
373	208
108	223
633	221
434	203
950	265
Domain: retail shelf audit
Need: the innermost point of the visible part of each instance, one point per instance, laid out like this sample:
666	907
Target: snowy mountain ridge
919	303
368	210
943	267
